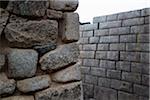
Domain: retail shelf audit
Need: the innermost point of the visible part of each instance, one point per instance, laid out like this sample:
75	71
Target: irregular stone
19	98
53	14
28	7
17	19
3	19
64	5
7	86
70	91
61	57
28	34
42	49
33	84
22	63
71	73
70	27
2	60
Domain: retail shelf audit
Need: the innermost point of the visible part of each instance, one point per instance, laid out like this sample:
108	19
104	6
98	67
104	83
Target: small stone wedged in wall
53	14
2	60
22	63
59	58
19	98
31	33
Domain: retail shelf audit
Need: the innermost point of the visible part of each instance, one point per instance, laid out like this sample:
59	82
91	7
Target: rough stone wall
39	50
115	56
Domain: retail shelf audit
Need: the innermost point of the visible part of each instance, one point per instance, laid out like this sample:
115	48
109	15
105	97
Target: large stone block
71	91
19	98
64	5
28	7
31	33
7	86
60	57
111	24
141	90
127	96
71	73
134	21
2	60
34	84
98	72
22	63
69	27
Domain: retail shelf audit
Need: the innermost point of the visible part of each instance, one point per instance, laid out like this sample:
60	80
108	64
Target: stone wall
39	50
115	56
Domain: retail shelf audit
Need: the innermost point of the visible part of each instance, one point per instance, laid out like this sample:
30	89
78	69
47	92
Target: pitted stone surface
22	63
71	91
3	19
71	73
31	33
64	5
2	60
7	86
60	57
33	84
28	7
19	98
53	14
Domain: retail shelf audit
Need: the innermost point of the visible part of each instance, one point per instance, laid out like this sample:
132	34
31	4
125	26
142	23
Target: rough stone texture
34	84
64	5
7	86
71	73
69	31
3	19
61	57
28	7
2	60
19	98
29	33
22	63
52	14
71	91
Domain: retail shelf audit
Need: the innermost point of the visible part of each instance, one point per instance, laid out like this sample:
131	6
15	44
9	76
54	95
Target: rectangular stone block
99	19
131	77
145	80
83	40
87	27
94	40
98	72
88	90
121	85
130	56
103	47
144	57
109	39
89	47
91	79
141	90
118	47
101	32
112	17
127	96
120	30
140	29
134	21
128	38
123	65
143	38
87	54
147	20
112	55
137	47
107	64
111	24
101	55
145	12
90	62
115	74
85	70
104	82
87	33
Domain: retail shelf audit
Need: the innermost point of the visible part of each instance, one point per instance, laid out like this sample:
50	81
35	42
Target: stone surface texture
2	60
19	98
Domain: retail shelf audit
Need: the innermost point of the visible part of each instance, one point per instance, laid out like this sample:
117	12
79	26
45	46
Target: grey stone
145	80
99	19
22	63
90	62
145	12
123	65
69	74
88	90
141	90
103	47
128	38
17	19
140	29
83	40
89	47
137	47
87	54
85	70
70	91
88	27
112	17
131	77
28	7
7	86
2	60
28	34
104	82
120	30
101	55
101	32
143	38
109	39
134	21
144	57
121	85
70	27
98	72
107	64
91	79
146	20
114	74
64	5
127	96
4	17
102	93
111	24
19	98
94	40
53	14
34	84
113	55
119	46
87	33
59	58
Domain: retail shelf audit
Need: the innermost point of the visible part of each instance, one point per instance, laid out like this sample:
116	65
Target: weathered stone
71	91
70	27
33	84
88	27
64	5
7	86
17	19
19	98
22	63
53	14
28	7
2	60
31	33
60	57
71	73
3	19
